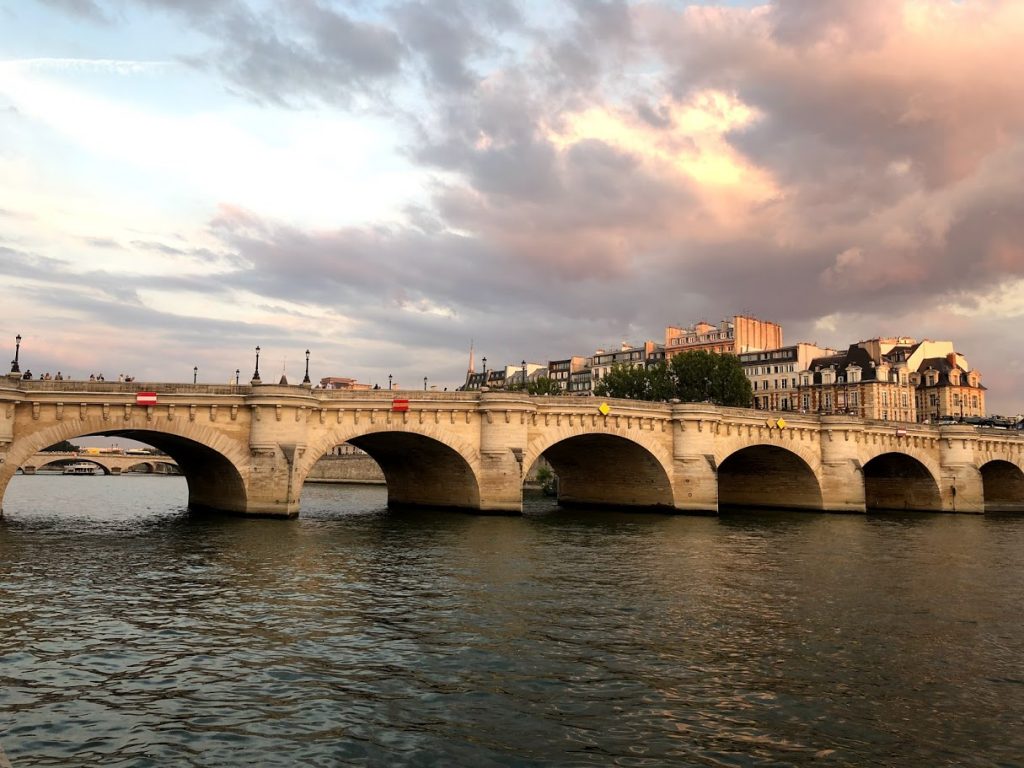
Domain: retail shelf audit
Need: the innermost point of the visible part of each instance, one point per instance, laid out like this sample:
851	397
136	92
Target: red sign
400	404
145	398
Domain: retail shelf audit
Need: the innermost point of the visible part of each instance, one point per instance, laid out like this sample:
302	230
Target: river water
135	634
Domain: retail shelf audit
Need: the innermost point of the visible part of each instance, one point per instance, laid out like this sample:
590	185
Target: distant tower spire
472	365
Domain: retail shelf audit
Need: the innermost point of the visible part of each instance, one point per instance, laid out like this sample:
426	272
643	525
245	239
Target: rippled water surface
135	634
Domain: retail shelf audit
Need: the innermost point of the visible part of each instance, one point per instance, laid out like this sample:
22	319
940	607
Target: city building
741	334
641	356
852	382
581	382
773	373
947	389
340	382
559	371
896	379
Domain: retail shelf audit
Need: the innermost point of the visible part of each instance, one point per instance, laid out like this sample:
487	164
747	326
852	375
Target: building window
807	402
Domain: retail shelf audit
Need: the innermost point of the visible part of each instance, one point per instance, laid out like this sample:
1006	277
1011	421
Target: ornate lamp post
524	375
195	373
424	383
238	373
15	368
256	373
305	379
389	381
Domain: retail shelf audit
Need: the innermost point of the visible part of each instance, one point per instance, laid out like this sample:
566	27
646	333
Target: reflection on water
134	633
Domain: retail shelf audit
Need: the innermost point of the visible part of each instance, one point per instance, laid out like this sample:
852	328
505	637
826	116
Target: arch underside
767	477
421	471
1003	485
608	471
213	481
896	482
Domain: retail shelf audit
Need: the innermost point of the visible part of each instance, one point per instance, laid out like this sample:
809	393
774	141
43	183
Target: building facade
773	373
642	356
736	336
560	371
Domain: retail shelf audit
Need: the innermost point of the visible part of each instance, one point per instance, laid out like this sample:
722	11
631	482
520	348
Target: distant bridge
248	449
111	464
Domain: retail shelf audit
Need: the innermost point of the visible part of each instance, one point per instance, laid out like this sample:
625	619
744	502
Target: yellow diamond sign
781	423
604	409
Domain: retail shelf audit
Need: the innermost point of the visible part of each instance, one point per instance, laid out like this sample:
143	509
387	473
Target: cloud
600	169
87	9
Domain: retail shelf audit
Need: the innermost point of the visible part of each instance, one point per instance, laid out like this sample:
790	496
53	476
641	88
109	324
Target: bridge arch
213	465
894	481
604	468
422	466
1003	484
769	476
65	460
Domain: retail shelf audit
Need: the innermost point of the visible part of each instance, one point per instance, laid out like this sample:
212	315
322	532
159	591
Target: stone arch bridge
111	464
248	449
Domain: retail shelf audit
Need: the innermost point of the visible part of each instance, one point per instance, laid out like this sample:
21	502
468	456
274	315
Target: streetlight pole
238	373
424	383
195	373
389	381
256	373
305	379
15	368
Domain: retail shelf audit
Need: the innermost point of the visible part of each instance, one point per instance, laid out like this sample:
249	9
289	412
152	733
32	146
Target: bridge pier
503	440
961	488
695	484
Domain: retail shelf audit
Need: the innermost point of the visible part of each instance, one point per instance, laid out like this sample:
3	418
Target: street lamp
195	373
424	383
389	381
524	374
15	368
256	373
305	379
238	373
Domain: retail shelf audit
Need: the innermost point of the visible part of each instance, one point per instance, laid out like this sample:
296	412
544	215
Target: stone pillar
694	471
961	488
277	440
842	476
503	438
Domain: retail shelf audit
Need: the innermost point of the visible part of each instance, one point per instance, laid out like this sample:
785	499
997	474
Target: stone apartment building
561	371
736	336
646	354
773	373
893	379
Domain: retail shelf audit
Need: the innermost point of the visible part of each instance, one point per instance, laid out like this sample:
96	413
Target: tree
64	446
692	377
705	376
625	381
543	385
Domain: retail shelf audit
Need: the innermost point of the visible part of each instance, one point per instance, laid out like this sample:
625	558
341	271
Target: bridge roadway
248	449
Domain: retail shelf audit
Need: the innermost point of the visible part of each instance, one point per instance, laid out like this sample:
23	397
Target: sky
385	183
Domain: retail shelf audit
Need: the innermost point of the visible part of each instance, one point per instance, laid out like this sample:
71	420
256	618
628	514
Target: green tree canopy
64	446
692	377
543	385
